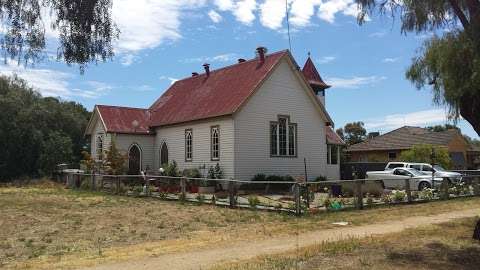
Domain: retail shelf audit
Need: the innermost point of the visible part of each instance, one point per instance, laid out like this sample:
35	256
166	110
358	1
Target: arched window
163	154
215	142
134	159
188	145
99	147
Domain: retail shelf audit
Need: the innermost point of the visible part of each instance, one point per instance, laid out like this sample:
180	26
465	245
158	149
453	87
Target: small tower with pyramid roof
314	79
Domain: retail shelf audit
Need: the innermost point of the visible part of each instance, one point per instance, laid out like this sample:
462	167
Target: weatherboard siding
145	142
281	94
174	136
97	130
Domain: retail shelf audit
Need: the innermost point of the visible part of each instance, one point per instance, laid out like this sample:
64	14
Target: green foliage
353	133
171	169
192	173
200	198
86	31
87	162
218	171
422	153
450	64
320	178
57	148
215	172
114	162
441	128
29	122
253	201
259	177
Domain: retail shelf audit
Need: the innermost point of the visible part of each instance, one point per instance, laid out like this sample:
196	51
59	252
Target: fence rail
289	196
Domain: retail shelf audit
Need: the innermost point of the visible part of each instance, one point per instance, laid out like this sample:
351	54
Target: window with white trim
283	138
99	147
332	154
188	145
215	142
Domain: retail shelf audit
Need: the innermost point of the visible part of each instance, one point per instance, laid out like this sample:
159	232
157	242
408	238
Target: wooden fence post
93	182
298	209
183	187
231	194
359	193
117	185
408	190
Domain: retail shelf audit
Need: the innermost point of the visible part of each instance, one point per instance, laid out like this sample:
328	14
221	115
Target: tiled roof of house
220	93
124	119
332	137
405	138
311	74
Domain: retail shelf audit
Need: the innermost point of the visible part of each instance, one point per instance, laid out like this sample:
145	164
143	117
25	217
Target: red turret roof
311	74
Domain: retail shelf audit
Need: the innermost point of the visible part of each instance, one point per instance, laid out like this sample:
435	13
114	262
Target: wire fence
283	196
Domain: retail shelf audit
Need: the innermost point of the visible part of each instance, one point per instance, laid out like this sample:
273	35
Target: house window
334	154
188	145
215	143
99	148
392	155
283	138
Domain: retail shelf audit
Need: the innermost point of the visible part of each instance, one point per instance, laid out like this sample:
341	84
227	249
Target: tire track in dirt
202	259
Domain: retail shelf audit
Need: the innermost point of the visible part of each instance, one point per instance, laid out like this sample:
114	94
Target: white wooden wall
145	142
281	94
174	136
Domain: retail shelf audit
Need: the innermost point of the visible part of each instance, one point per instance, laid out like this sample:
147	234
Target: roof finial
308	54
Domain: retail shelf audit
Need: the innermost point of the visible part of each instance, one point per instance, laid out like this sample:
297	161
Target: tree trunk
476	232
470	109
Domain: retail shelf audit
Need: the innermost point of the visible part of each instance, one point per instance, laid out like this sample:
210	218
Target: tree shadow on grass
437	255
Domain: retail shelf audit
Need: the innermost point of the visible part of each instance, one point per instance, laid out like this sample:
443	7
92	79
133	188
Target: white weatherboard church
263	115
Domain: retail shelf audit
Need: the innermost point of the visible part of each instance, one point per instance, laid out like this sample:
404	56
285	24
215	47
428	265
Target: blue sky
164	40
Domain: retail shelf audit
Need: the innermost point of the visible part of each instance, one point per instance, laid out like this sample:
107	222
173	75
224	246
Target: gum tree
449	64
85	30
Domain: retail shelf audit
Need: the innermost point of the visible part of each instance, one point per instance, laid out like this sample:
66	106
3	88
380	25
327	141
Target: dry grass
444	246
46	226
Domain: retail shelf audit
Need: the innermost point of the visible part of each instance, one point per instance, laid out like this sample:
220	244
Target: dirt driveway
203	259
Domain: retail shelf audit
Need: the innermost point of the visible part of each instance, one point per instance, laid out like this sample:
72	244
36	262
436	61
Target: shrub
387	198
218	172
192	173
426	194
171	169
320	178
253	201
200	198
398	195
259	177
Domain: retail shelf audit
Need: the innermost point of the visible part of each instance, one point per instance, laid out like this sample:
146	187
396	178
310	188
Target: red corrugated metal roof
121	119
221	93
311	74
332	136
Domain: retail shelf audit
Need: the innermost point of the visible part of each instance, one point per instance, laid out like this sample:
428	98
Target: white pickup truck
425	168
395	179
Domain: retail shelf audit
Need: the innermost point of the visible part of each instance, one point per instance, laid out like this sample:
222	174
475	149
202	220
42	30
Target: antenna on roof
288	27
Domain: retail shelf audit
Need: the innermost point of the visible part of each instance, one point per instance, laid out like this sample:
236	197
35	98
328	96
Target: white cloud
420	118
244	11
326	59
226	57
224	5
214	16
145	24
53	82
354	82
302	11
272	13
328	9
390	60
128	59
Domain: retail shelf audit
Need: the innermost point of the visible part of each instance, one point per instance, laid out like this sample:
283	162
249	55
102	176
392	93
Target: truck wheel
423	185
